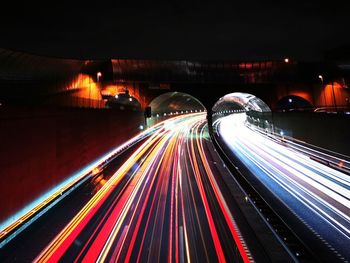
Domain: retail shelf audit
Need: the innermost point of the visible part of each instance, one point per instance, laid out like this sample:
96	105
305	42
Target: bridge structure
27	78
281	84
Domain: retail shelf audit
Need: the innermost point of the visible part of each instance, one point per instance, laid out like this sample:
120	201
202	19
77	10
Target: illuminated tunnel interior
239	102
175	103
254	108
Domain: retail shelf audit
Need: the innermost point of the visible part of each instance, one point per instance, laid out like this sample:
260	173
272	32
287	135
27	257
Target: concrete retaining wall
40	147
327	130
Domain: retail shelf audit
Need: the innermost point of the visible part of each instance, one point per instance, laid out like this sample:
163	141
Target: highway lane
317	195
163	204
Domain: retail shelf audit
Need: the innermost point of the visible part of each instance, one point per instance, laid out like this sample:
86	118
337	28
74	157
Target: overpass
27	78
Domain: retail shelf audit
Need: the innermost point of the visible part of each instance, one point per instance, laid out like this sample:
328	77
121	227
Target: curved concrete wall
329	131
41	147
326	130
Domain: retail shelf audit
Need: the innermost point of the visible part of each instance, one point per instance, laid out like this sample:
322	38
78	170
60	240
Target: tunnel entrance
292	103
171	104
175	102
240	102
253	110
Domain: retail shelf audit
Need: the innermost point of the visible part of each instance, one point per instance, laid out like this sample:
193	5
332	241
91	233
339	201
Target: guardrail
332	159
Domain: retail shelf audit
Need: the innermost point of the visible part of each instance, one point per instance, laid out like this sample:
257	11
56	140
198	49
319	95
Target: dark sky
183	29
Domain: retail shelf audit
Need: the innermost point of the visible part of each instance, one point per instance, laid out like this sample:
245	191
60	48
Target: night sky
183	29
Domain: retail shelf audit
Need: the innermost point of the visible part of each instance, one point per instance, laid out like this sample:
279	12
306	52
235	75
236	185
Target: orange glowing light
95	171
102	182
286	60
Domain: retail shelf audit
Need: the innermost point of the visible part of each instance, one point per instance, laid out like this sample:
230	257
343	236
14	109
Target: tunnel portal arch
176	102
293	102
241	102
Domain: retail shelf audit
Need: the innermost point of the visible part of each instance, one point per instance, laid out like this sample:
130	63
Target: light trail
316	193
68	235
152	208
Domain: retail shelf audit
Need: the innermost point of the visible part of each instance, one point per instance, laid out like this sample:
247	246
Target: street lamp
324	92
321	78
99	74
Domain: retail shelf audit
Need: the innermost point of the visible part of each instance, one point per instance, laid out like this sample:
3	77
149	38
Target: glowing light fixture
95	171
99	75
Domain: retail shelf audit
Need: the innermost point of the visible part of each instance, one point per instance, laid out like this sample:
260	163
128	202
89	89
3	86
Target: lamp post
99	75
324	93
334	99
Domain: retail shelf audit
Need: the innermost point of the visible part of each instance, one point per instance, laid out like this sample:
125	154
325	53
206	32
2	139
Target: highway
315	196
163	204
